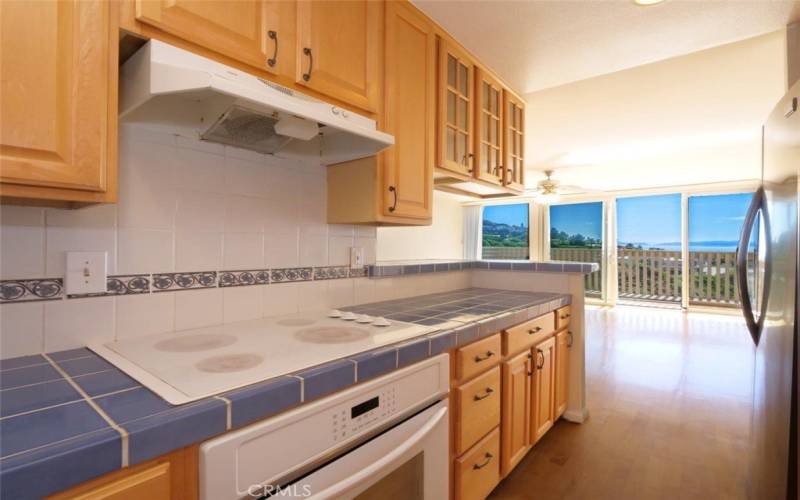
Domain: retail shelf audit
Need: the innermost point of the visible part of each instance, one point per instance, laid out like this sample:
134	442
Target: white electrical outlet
86	272
356	257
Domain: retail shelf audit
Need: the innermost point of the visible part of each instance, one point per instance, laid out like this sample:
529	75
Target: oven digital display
364	407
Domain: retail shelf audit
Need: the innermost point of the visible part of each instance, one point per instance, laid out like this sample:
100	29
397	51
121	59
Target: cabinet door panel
516	403
543	389
562	372
56	94
514	142
489	128
455	125
238	29
409	113
339	49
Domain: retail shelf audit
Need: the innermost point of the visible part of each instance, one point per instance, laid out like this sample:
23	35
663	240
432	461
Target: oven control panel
348	421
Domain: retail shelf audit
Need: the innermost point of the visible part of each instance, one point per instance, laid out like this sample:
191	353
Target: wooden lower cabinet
563	343
169	477
543	389
477	472
516	403
478	409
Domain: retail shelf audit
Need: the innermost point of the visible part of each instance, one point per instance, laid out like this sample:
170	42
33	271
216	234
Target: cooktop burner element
229	363
195	343
331	334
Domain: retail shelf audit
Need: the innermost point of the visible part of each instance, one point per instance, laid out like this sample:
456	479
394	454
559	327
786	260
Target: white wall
688	120
444	239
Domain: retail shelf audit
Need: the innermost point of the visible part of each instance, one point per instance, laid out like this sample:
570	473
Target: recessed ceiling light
647	2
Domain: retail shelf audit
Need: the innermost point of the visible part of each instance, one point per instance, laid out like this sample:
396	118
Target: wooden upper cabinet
563	343
409	112
516	402
58	101
514	142
339	49
489	128
249	31
543	389
456	102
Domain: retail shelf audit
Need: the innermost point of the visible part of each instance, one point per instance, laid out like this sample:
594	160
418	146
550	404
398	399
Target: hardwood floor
669	397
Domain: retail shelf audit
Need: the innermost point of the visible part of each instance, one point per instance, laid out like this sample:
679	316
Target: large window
576	234
649	248
715	223
505	232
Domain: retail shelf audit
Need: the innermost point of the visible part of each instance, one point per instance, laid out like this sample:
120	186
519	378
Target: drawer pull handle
393	190
540	354
273	35
488	355
564	316
485	395
569	339
534	330
488	457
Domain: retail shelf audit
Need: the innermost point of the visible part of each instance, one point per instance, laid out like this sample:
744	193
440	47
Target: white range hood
183	93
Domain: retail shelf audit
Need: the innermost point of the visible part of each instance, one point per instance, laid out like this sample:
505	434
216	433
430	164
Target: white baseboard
577	416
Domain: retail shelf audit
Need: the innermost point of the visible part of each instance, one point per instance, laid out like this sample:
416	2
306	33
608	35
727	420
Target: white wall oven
386	438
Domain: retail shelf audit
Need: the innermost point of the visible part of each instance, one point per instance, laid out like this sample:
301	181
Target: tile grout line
122	432
228	411
302	387
52	379
65	403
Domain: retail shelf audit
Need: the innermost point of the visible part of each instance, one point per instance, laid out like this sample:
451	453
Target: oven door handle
352	481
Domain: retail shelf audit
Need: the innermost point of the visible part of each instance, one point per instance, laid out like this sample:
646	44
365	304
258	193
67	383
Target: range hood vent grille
241	127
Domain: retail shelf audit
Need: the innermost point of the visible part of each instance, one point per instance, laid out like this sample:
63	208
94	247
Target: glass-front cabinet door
514	142
456	100
489	137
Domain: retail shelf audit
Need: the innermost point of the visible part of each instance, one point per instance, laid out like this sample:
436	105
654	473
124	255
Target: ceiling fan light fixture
548	198
645	3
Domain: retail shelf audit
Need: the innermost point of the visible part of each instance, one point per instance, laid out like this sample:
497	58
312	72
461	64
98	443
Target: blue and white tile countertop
397	268
70	416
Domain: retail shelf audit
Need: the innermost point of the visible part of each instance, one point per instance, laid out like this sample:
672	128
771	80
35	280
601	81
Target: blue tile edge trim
391	270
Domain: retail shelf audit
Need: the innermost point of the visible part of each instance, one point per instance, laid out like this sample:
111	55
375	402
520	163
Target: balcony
657	275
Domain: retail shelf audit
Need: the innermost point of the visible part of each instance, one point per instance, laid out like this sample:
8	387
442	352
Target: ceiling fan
550	190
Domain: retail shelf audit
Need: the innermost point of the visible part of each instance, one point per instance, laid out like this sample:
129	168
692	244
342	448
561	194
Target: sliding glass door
576	234
715	223
649	262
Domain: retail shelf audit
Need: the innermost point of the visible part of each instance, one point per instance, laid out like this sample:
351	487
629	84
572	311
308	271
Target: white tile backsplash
186	205
21	329
77	322
198	308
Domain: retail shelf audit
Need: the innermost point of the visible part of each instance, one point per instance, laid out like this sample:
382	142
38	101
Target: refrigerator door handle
750	218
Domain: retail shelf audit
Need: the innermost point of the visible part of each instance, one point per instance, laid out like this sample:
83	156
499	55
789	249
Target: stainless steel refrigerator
767	264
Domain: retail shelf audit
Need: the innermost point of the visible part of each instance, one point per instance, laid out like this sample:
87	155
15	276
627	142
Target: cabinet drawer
478	471
523	336
562	317
478	406
478	356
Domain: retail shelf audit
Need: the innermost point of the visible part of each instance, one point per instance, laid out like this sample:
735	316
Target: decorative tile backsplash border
30	290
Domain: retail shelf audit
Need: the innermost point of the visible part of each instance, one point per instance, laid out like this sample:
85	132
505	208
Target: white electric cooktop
194	364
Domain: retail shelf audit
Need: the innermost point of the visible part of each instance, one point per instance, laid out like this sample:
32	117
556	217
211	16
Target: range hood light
297	128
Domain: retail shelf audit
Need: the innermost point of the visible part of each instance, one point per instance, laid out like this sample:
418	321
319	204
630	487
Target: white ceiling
539	44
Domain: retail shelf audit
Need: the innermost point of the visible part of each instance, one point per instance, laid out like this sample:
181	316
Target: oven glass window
404	482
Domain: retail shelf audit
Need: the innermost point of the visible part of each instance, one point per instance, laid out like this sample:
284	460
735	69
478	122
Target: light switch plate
86	272
356	257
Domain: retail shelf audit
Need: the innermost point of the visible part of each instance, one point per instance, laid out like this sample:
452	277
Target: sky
507	214
578	218
717	217
649	219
